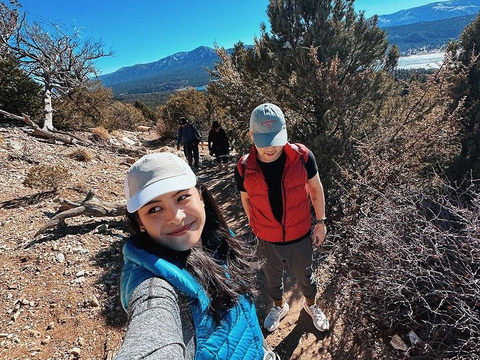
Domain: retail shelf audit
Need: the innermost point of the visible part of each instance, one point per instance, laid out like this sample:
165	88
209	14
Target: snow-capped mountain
431	12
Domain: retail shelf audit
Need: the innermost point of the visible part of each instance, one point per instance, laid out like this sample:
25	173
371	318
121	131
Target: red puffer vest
296	221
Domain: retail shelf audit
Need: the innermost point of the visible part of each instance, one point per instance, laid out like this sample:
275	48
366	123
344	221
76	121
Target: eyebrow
154	201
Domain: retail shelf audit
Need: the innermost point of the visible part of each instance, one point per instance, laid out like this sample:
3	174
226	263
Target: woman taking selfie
186	283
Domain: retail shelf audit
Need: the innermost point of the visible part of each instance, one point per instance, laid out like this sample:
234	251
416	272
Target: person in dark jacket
277	182
218	144
188	135
186	282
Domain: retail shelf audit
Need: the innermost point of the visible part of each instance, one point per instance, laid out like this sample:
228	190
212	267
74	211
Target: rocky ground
59	297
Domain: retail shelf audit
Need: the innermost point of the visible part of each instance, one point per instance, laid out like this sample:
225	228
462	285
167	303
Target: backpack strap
303	151
242	164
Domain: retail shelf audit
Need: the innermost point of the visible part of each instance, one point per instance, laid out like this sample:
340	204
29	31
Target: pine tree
18	93
466	57
322	63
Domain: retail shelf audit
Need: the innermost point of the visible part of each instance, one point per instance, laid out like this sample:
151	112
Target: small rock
60	257
50	326
75	351
101	228
398	343
16	315
80	273
414	339
94	301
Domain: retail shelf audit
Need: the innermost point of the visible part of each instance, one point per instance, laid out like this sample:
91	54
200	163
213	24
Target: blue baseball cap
268	127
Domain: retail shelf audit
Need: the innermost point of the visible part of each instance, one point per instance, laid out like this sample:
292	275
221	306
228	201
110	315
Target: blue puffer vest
237	336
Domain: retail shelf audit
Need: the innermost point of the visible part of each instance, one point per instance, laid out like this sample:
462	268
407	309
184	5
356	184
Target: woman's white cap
154	175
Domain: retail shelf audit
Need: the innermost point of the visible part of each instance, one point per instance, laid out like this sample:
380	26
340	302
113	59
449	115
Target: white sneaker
320	321
273	318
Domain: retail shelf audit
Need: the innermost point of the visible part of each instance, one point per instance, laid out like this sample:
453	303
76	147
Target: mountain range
430	12
422	28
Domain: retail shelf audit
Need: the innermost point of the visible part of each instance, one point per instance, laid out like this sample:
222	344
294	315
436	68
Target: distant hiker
186	283
218	144
190	138
277	180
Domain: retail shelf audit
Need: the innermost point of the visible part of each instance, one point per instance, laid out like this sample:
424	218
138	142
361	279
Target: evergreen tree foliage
83	107
322	63
148	113
192	104
466	56
18	93
123	116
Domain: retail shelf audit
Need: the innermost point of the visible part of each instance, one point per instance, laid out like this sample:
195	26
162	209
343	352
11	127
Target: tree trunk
47	109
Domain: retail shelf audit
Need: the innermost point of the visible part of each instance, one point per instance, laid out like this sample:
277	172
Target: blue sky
143	31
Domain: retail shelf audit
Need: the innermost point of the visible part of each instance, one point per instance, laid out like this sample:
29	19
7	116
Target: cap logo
268	124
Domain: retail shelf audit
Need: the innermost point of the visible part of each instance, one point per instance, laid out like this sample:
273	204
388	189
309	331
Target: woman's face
174	220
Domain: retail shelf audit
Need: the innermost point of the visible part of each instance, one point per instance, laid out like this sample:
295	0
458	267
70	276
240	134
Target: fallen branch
90	206
55	135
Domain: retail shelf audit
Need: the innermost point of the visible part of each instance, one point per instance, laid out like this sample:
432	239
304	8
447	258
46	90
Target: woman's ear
140	224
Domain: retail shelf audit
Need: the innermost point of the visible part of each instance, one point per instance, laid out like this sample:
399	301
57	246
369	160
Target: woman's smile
181	231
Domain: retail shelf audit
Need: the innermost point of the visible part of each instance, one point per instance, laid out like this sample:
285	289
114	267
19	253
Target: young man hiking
188	135
277	182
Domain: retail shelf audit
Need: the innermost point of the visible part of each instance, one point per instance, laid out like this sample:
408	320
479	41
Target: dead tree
90	206
9	20
60	60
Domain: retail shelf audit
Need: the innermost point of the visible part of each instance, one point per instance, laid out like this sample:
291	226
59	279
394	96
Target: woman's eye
183	197
154	209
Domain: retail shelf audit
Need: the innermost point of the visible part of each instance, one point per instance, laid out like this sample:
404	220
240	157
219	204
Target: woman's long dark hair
218	249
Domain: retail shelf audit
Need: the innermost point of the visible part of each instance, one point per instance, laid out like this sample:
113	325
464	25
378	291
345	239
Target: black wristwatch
320	221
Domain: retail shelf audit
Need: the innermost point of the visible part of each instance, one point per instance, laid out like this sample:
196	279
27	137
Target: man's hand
319	233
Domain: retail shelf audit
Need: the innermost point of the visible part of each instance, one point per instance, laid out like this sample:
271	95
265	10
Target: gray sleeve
160	324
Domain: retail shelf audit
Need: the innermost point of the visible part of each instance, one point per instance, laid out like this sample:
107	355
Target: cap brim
159	188
270	139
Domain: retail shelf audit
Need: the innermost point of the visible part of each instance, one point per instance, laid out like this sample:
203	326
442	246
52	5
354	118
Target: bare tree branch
90	206
58	59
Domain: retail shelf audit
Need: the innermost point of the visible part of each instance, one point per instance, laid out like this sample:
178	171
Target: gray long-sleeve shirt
160	324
